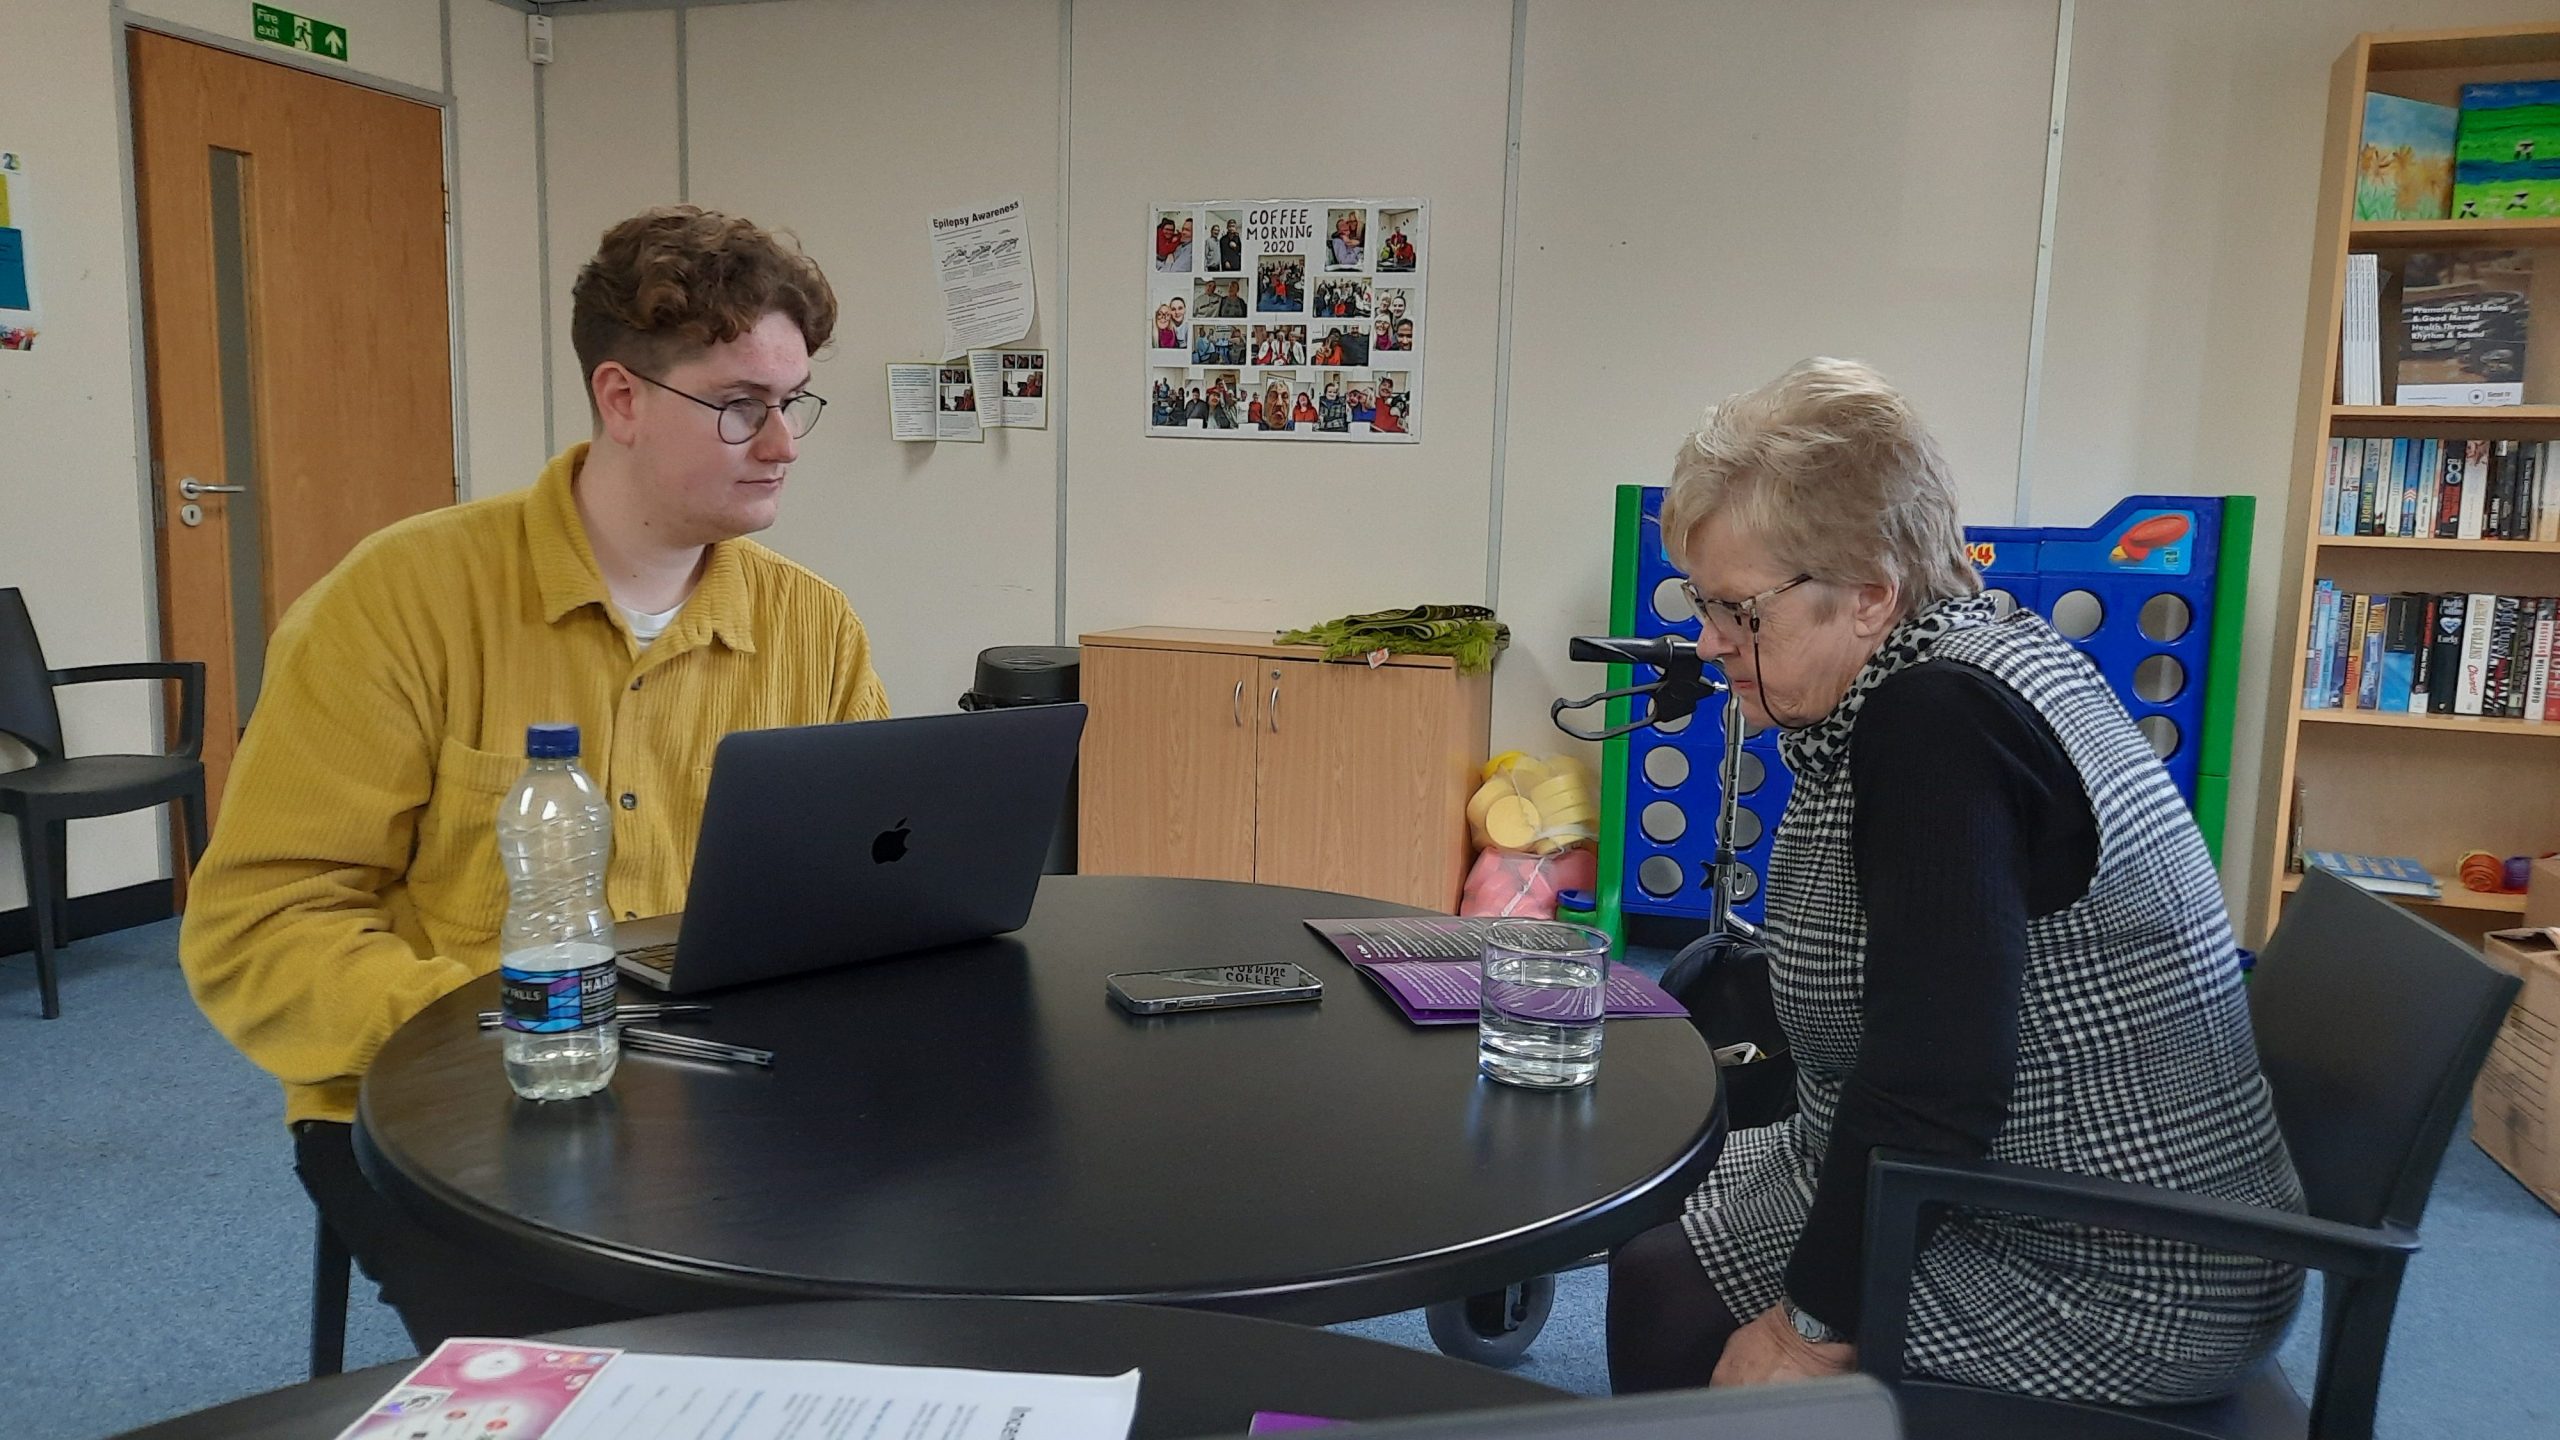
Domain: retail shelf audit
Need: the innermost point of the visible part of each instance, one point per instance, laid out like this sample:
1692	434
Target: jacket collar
564	567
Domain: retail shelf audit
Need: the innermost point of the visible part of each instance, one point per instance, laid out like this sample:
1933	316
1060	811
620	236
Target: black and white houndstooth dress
2135	1061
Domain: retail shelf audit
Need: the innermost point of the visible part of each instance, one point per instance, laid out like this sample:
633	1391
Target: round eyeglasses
742	419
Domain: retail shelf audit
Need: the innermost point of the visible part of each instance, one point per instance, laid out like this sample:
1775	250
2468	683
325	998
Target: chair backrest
27	709
2371	1024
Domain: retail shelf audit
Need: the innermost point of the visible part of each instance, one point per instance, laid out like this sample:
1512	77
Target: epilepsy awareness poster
982	259
1287	319
17	281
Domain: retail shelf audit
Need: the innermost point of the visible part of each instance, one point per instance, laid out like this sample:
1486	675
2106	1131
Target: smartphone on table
1212	987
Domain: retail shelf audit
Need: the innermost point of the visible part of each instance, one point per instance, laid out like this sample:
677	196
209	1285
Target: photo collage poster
1287	319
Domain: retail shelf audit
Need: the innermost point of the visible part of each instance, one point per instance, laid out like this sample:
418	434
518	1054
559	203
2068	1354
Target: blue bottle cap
1575	900
554	741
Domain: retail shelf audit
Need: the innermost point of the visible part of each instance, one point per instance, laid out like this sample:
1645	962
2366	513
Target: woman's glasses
1735	619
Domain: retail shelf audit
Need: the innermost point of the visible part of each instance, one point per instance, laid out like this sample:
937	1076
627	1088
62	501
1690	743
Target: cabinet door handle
1237	705
1275	709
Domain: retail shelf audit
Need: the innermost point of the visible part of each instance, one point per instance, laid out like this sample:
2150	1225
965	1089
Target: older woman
1993	930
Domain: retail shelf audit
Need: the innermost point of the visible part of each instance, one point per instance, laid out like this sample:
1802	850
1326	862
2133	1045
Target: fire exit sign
298	32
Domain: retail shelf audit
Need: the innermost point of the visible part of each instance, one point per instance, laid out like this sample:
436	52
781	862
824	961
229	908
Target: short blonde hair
1829	468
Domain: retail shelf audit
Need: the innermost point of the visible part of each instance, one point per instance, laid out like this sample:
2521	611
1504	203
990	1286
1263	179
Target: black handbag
1723	978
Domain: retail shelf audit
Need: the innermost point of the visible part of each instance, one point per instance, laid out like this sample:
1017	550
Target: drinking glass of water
1538	1024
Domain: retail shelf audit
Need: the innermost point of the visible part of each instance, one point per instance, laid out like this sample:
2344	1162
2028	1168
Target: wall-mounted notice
982	256
1287	319
911	400
17	279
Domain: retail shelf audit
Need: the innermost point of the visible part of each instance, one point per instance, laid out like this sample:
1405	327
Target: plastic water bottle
555	963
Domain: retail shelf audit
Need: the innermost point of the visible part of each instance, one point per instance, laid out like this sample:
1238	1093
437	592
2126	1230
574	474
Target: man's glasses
1735	619
743	418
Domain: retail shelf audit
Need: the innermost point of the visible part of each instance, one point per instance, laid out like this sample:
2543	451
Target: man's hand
1769	1349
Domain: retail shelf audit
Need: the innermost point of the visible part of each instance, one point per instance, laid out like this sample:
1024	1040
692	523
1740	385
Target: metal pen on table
690	1047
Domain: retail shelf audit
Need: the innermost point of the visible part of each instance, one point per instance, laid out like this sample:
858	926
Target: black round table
1202	1374
982	1120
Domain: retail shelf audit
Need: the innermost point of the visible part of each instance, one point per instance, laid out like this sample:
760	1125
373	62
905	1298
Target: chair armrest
188	673
1903	1189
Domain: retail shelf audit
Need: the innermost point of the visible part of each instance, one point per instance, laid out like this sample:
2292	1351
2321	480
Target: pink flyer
482	1390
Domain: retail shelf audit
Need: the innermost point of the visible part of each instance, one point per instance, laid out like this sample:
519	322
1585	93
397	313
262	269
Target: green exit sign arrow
298	32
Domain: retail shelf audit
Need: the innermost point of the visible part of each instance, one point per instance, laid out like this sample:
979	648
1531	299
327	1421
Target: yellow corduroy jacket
353	878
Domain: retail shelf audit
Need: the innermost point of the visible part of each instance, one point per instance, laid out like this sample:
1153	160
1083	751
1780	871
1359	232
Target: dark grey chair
59	788
2371	1024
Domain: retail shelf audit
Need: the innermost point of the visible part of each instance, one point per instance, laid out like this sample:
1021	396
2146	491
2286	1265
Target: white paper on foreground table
696	1397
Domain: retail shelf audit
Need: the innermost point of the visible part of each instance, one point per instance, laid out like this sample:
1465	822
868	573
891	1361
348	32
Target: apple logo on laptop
892	845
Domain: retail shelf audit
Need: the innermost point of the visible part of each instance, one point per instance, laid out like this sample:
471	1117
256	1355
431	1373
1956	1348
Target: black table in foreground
1202	1374
983	1121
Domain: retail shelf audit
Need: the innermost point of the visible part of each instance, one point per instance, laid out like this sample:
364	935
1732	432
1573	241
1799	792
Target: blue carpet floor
155	1248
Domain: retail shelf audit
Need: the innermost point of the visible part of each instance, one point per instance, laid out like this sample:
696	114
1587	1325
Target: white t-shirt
645	628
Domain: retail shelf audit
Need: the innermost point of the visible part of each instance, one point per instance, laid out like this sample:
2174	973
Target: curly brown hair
670	283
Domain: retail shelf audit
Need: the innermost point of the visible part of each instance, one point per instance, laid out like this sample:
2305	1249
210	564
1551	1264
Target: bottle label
552	1002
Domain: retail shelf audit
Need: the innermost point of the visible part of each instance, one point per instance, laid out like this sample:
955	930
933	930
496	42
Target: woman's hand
1769	1349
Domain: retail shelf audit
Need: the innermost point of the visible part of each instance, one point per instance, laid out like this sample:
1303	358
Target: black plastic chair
2371	1024
46	796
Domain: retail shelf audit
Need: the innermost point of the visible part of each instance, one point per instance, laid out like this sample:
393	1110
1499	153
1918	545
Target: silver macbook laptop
826	845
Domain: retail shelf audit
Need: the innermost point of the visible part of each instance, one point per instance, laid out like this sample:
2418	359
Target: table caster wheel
1494	1328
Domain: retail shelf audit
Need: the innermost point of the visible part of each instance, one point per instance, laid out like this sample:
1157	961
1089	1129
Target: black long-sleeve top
1970	821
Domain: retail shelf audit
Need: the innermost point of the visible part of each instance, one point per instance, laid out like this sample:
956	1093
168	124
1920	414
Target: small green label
298	32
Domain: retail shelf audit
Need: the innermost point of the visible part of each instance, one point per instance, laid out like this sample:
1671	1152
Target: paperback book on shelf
2462	316
2404	168
2506	157
2382	874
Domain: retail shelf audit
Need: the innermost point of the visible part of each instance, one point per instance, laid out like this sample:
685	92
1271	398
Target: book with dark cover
2414	477
2496	654
2449	490
2462	318
2444	654
2519	675
2501	503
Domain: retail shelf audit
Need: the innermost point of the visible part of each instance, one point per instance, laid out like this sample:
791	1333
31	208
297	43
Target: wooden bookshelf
2427	786
2468	724
2453	234
2453	898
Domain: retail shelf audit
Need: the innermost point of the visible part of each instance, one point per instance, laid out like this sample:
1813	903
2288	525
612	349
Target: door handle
1275	709
1237	705
192	488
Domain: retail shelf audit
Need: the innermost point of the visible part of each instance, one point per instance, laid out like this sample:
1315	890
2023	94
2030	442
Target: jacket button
630	801
635	684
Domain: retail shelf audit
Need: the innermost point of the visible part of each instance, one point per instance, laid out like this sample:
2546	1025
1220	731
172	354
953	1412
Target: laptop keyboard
661	958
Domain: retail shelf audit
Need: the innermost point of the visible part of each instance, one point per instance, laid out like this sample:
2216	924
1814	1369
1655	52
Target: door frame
149	493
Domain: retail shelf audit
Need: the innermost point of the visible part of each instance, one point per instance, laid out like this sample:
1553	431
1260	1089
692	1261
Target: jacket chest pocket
455	877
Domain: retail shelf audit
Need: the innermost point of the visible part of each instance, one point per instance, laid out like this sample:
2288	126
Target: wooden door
1360	781
1167	782
295	324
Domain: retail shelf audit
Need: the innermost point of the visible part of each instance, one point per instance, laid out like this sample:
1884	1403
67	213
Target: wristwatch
1810	1328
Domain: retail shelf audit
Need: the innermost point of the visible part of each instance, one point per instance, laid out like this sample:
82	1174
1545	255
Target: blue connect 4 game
2153	594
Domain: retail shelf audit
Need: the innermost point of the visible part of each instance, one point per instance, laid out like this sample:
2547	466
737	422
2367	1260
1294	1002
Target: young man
354	878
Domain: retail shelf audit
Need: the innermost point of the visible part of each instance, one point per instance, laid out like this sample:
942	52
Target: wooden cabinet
1217	754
